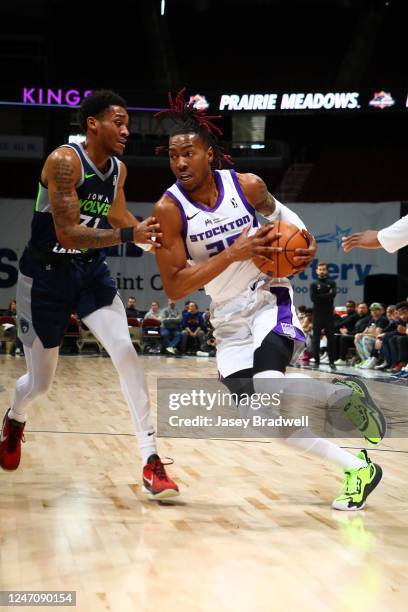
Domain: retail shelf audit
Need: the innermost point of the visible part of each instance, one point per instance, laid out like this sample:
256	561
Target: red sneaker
156	483
12	434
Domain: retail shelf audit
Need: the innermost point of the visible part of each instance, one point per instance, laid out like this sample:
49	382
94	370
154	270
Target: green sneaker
358	484
362	411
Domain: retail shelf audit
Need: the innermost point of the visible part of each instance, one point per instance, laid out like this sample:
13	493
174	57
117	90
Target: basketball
290	240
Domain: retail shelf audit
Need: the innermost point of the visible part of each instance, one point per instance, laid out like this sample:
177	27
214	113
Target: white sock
304	439
147	445
320	447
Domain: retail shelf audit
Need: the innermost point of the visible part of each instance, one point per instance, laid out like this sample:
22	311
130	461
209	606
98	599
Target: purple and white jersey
208	231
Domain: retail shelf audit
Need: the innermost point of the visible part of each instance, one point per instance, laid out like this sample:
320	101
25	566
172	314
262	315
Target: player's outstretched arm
62	171
362	240
180	279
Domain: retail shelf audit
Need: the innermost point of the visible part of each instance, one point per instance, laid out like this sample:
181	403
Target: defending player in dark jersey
81	209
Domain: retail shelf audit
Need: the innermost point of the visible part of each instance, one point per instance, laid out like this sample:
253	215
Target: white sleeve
395	236
283	212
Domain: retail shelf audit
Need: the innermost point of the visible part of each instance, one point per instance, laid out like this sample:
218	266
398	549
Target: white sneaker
202	354
312	360
340	362
381	366
369	364
170	349
325	359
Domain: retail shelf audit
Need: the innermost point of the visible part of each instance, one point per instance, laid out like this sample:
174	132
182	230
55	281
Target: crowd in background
167	330
365	337
371	337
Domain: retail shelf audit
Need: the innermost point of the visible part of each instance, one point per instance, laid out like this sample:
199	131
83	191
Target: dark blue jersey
96	192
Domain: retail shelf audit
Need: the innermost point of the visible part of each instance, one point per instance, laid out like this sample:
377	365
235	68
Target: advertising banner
136	272
328	223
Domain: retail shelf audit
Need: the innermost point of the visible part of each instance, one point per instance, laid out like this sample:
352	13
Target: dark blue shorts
47	295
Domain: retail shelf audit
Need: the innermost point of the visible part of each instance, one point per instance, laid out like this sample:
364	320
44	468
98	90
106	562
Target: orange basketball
282	263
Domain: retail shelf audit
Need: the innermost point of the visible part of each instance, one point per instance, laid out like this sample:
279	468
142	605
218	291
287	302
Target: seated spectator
349	319
193	328
365	340
336	317
171	327
208	349
151	326
154	312
301	312
131	311
395	343
12	309
344	340
206	316
393	322
9	329
307	326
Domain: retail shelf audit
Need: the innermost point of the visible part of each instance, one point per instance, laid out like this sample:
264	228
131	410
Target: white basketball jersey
208	231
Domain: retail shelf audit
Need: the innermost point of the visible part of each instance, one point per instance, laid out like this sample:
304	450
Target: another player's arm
362	240
180	279
120	216
257	194
62	172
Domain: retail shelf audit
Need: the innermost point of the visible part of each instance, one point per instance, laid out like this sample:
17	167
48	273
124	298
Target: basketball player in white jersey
208	219
391	238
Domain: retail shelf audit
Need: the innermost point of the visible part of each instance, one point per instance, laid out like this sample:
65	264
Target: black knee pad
275	353
240	383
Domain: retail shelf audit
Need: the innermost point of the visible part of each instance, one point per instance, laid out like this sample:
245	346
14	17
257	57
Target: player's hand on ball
303	257
257	245
147	231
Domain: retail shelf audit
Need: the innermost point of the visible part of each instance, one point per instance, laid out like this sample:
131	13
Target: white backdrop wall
136	273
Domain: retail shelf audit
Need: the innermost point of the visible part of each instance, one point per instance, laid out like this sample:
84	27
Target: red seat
72	330
133	322
150	323
151	336
10	320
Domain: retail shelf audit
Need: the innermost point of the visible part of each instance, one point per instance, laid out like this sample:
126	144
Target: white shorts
241	324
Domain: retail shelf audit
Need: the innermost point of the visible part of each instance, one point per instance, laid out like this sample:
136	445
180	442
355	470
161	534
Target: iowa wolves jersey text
96	192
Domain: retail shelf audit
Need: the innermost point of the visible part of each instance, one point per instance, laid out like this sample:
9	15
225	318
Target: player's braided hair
190	120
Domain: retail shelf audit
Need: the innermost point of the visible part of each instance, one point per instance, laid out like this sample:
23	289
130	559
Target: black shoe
332	365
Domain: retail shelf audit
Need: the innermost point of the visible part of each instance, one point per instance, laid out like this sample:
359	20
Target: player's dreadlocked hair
96	103
190	120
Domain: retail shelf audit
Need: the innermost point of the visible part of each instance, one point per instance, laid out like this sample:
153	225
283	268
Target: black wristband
126	234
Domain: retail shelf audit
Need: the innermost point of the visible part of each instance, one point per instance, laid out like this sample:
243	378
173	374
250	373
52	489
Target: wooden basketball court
251	531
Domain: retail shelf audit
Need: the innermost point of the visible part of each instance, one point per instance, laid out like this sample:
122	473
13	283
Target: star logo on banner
334	236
